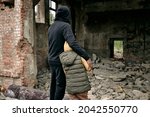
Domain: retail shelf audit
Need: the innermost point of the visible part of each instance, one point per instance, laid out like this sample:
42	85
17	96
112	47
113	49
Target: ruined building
97	24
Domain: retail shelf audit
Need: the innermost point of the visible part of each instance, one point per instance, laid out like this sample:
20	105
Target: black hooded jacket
59	32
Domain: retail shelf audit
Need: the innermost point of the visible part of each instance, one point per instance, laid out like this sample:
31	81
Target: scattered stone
98	77
95	59
43	78
119	65
146	76
106	97
115	80
139	95
112	80
118	89
121	96
119	78
2	97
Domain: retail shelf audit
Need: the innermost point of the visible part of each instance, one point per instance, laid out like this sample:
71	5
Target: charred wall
98	22
131	26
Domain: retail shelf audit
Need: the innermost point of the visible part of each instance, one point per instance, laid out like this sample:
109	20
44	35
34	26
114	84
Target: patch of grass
118	49
118	45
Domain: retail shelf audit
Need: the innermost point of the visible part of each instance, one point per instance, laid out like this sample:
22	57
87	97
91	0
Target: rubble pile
114	80
43	78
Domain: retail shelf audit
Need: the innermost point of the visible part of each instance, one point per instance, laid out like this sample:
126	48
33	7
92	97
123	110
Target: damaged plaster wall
17	60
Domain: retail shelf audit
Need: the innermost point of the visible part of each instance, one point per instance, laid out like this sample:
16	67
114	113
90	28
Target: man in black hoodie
59	32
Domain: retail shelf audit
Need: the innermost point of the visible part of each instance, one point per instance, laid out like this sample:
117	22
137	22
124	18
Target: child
75	68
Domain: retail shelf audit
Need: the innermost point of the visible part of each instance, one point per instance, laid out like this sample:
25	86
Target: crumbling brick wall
17	59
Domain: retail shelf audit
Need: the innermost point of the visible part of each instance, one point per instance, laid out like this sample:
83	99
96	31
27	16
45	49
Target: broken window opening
6	4
40	12
52	11
116	48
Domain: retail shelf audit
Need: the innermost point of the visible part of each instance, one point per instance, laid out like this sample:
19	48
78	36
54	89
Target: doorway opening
116	48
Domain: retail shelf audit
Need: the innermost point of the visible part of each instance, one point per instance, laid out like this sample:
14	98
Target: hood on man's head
63	14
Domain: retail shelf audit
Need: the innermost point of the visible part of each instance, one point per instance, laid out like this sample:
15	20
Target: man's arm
69	37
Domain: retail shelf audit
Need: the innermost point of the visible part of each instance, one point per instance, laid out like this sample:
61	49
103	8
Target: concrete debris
95	58
112	80
117	80
2	97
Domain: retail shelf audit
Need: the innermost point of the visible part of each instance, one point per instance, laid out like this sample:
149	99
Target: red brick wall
7	50
16	46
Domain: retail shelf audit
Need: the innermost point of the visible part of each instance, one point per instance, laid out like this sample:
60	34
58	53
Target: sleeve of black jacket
69	37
